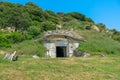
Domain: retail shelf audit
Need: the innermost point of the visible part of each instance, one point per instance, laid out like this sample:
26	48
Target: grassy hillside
93	68
21	25
28	47
97	42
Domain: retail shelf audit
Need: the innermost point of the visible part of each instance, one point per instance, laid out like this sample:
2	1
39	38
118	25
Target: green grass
97	42
93	68
27	47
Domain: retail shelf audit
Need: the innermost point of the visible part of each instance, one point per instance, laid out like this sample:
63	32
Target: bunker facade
61	43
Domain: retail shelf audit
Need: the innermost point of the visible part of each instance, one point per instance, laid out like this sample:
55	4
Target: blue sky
105	11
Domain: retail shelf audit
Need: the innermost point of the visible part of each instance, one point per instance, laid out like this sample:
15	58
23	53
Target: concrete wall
72	47
51	49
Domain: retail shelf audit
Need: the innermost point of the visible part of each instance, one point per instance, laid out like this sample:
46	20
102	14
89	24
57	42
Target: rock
95	28
63	33
35	57
86	54
77	53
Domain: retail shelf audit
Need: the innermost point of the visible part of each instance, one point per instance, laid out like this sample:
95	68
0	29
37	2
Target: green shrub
4	42
34	31
28	47
15	37
48	26
81	27
77	16
27	36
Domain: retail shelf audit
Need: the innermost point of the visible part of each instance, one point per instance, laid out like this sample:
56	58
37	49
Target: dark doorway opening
61	51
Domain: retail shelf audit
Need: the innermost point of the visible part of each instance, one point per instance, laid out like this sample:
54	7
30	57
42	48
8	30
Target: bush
77	16
4	42
15	37
29	47
34	31
27	36
48	26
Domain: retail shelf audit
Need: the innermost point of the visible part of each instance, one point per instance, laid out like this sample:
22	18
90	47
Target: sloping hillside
22	27
97	43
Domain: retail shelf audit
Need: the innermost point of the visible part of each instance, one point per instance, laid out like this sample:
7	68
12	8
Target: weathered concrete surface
66	33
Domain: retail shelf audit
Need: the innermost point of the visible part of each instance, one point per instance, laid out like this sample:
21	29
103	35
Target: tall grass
99	42
28	47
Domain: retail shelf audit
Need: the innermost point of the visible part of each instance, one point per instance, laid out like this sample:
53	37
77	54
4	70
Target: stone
80	54
77	53
63	32
35	57
86	55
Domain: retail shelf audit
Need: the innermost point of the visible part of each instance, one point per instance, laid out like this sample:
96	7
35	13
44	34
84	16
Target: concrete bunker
61	43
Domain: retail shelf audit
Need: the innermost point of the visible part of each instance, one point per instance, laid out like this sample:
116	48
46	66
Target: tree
14	15
48	26
52	17
101	26
34	31
89	20
19	19
34	11
76	15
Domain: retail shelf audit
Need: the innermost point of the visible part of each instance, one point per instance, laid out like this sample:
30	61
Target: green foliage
28	47
76	25
34	30
77	16
27	36
115	35
80	27
89	20
4	42
101	26
52	17
48	26
14	15
15	37
34	11
22	17
66	18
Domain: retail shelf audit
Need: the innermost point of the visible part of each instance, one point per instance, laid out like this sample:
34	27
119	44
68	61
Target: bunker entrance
61	51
